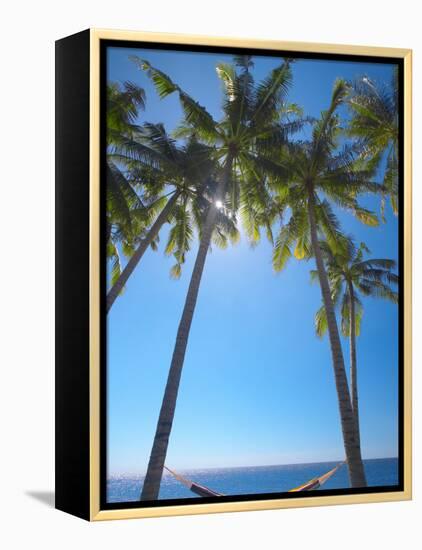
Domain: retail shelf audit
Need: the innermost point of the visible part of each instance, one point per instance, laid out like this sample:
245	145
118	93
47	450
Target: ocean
253	480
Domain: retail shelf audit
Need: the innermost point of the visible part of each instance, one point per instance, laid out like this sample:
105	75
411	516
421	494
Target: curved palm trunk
139	252
154	473
353	362
350	440
152	481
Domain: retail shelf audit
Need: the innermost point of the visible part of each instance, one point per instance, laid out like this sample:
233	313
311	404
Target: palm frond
324	132
377	289
116	266
330	227
163	83
321	324
366	216
195	114
296	229
270	93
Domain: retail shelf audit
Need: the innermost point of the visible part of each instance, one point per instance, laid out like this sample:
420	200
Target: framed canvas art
233	274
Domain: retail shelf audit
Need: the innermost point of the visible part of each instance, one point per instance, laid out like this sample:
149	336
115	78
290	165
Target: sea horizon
238	480
272	465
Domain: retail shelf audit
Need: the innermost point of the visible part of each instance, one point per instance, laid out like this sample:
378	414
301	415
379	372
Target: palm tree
123	223
349	274
169	177
209	229
375	122
321	173
250	130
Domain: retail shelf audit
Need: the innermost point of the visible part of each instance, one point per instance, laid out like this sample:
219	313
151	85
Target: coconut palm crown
175	182
372	277
123	203
375	123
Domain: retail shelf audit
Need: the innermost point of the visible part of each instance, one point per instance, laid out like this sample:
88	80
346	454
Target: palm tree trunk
353	362
350	440
139	252
152	481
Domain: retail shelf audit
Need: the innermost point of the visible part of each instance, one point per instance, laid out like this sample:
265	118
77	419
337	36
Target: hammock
194	487
316	482
202	491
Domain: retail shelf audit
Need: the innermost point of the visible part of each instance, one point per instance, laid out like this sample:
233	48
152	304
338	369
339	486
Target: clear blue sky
257	386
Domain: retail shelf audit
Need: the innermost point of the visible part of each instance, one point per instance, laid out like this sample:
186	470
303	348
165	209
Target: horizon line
185	469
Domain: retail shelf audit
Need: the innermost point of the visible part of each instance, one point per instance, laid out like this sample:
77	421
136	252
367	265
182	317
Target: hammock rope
194	487
316	482
201	490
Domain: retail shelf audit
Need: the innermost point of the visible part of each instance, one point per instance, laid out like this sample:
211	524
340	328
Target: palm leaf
321	324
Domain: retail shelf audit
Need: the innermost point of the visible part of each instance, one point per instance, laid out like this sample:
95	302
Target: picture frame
82	390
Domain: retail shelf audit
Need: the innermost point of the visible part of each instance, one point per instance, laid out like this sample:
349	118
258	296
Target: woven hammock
203	491
316	482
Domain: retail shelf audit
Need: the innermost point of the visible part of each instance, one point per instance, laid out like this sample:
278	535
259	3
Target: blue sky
257	385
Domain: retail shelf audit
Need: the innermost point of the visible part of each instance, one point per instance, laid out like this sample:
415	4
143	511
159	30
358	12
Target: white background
27	273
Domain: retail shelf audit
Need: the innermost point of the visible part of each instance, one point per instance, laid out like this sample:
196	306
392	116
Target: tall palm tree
168	176
349	274
321	173
375	122
250	129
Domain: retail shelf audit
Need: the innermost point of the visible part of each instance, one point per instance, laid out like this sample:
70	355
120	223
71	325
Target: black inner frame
399	62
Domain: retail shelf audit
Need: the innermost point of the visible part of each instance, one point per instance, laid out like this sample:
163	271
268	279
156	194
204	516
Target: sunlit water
250	480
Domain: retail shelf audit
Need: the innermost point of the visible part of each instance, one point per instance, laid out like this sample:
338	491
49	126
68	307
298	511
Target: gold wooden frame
96	513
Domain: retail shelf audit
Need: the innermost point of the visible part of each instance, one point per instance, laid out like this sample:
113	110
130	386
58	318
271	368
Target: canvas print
252	263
